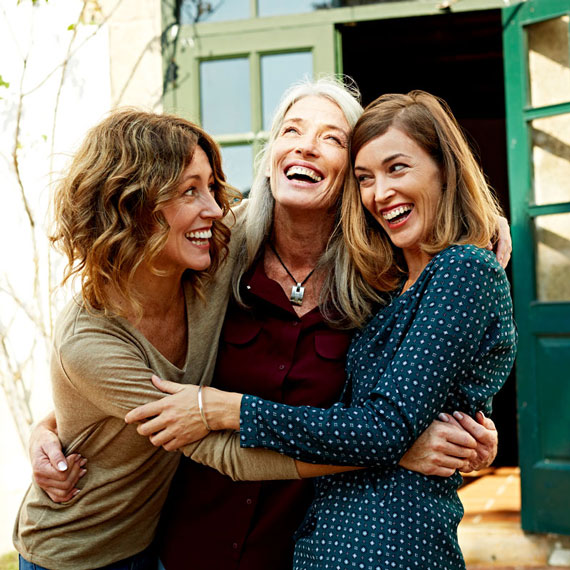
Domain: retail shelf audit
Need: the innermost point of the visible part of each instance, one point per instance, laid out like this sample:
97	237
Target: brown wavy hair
467	212
108	208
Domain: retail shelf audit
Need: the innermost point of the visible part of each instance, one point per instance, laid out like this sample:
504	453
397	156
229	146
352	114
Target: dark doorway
458	57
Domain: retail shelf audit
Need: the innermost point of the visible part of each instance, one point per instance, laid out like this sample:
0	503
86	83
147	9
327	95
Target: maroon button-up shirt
211	522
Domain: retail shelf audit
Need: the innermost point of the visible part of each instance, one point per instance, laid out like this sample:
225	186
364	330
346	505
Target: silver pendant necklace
297	291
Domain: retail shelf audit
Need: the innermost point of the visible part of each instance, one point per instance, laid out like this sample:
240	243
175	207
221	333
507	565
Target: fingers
63	490
479	431
504	243
166	440
503	254
55	455
486	422
144	412
152	426
48	477
456	433
165	385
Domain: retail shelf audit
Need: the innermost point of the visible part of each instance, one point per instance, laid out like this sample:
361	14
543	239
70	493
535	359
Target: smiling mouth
199	238
303	174
398	214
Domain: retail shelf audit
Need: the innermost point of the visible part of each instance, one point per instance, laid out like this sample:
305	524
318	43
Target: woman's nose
307	145
383	191
212	208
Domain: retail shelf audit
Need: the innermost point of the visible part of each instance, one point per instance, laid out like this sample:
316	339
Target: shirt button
282	367
248	501
295	323
235	545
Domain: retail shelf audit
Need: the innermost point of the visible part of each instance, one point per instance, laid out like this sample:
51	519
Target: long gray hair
344	291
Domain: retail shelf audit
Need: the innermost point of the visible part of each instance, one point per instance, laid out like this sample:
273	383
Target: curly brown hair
108	208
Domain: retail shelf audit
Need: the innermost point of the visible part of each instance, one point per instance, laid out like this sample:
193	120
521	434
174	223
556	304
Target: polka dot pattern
447	343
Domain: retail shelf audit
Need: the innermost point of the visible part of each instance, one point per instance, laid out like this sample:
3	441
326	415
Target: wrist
222	409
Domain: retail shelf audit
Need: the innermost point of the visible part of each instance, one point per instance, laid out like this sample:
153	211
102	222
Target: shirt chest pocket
240	333
332	345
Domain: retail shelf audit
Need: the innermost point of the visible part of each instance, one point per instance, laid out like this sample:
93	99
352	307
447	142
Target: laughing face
309	156
190	215
400	184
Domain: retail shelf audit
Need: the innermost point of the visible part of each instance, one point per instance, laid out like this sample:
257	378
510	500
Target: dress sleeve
460	341
221	451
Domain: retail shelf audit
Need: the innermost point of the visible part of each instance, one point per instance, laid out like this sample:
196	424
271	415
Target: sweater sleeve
108	369
460	342
221	450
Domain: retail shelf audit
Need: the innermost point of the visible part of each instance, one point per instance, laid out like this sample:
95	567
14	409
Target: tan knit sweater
101	369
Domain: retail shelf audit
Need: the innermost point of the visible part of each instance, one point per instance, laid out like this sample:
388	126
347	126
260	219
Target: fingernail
82	472
482	414
443	417
458	415
62	466
75	493
82	462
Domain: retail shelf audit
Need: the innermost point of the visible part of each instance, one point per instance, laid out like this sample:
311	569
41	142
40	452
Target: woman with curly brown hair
139	217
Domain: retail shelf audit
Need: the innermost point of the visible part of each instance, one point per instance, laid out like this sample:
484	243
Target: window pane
553	257
237	161
279	7
278	72
216	11
551	159
225	96
549	62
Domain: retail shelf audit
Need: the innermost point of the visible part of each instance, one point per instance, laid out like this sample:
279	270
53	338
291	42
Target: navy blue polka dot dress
447	343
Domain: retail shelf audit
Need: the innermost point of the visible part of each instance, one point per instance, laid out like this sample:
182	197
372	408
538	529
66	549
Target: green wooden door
537	75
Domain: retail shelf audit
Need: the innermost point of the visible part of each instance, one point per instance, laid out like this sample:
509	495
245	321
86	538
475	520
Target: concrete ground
490	533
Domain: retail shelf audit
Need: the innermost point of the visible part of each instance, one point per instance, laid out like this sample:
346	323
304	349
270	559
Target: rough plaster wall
134	47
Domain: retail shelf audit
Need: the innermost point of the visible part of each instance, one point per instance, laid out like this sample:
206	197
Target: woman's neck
160	294
416	260
301	237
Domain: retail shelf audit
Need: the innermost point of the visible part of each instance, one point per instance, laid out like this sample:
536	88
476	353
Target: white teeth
204	234
303	171
396	212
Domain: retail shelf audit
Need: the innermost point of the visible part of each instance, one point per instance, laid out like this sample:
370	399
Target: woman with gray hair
284	338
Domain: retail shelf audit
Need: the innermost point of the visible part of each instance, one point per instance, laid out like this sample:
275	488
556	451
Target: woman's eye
398	167
362	178
336	140
287	130
190	191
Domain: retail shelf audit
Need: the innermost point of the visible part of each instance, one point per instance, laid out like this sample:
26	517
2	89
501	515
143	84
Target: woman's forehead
317	108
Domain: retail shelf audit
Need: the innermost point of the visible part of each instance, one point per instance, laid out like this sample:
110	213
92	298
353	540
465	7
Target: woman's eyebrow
395	155
384	161
325	126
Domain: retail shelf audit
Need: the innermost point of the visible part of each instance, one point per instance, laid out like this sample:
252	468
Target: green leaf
71	27
3	83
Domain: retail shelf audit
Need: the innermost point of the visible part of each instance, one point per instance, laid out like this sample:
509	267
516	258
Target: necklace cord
299	283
